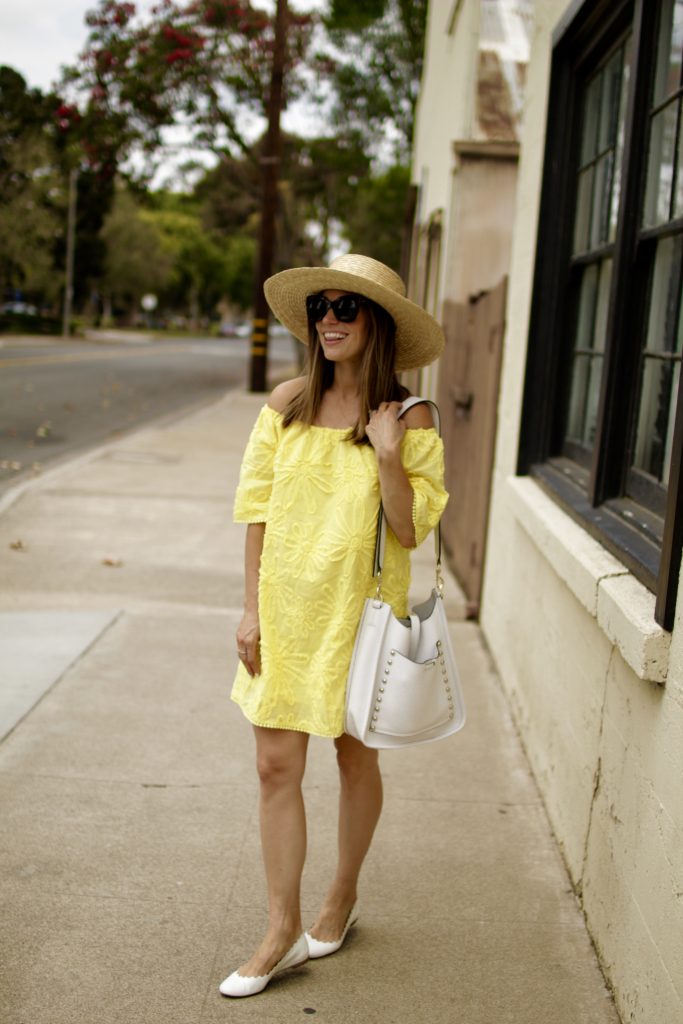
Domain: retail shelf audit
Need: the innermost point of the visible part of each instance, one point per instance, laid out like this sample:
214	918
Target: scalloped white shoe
238	985
318	948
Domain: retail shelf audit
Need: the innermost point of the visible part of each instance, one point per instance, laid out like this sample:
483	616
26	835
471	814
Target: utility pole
270	167
70	246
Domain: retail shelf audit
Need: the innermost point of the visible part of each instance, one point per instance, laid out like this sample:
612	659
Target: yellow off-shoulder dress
318	495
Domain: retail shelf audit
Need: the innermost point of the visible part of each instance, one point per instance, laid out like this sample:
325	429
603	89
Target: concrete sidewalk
131	879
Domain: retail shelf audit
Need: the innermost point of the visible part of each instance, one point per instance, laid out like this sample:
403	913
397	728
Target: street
58	398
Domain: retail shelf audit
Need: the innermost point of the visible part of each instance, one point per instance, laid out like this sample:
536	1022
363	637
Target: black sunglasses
346	308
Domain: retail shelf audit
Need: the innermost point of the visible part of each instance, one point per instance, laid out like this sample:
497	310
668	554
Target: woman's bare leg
281	760
360	805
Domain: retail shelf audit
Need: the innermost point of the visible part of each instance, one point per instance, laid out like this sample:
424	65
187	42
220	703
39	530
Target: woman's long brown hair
378	380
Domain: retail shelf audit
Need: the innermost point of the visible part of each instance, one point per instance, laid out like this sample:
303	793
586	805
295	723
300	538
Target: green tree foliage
40	139
157	243
31	189
240	259
199	65
377	220
324	182
375	68
203	66
136	259
198	277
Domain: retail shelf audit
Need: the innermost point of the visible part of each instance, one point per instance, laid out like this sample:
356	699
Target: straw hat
419	338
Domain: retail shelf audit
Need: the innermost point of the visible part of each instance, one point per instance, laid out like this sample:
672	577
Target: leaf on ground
112	562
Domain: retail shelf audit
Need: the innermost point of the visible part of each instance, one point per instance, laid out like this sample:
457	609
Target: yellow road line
86	357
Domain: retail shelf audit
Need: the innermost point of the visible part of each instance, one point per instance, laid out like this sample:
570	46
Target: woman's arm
249	630
386	432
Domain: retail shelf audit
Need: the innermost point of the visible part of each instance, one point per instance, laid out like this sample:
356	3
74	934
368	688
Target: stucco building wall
596	686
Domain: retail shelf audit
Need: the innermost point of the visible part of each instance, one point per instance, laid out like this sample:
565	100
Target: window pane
678	197
661	363
587	302
583	210
669	50
601	200
602	143
602	306
577	404
609	106
619	147
664	299
589	345
660	166
591	118
655	418
585	394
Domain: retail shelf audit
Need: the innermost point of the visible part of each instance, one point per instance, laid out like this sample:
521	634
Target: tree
199	274
198	65
375	66
136	261
30	186
240	259
40	141
324	178
204	66
376	222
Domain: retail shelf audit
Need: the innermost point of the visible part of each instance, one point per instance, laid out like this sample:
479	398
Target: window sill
622	607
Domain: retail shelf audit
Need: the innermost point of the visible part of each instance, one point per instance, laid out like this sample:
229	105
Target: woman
324	451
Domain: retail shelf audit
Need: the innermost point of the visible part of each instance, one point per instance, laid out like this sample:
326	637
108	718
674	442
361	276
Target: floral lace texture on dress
319	495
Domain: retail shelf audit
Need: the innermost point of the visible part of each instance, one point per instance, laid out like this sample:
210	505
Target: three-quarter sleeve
423	461
252	498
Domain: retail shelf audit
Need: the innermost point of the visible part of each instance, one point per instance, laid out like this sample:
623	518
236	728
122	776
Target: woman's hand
249	643
385	431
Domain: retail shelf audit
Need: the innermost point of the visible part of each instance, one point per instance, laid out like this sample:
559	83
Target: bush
26	323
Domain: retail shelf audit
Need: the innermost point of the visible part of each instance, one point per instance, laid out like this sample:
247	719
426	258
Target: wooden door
468	397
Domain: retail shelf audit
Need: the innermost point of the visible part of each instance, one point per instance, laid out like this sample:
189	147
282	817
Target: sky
38	36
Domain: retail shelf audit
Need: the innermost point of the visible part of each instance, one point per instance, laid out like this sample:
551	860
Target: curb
67	462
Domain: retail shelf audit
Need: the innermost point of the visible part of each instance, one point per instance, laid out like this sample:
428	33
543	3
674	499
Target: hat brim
419	337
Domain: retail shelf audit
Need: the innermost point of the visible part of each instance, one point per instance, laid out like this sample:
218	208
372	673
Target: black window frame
649	544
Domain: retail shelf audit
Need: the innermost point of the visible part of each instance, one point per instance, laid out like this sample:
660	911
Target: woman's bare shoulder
282	395
418	416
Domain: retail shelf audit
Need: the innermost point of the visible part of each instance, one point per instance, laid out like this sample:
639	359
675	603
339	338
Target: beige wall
480	224
463	227
444	113
445	106
595	685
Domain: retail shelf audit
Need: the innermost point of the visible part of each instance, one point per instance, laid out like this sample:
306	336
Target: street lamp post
70	248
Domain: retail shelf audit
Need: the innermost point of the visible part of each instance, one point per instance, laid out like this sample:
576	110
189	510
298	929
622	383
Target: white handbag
403	685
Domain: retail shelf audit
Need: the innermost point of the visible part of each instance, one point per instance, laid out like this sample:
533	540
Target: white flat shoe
237	985
318	948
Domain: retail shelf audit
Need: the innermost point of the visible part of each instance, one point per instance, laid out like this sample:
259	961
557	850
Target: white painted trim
622	607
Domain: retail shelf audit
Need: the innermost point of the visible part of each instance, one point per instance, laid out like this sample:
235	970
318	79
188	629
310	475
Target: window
602	422
601	144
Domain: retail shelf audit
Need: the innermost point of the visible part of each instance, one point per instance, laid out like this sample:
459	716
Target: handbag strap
381	536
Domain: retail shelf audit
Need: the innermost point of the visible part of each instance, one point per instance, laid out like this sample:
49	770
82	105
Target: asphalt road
60	398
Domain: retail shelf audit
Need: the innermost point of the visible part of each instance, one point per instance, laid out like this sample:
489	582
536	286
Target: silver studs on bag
385	680
440	657
444	673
